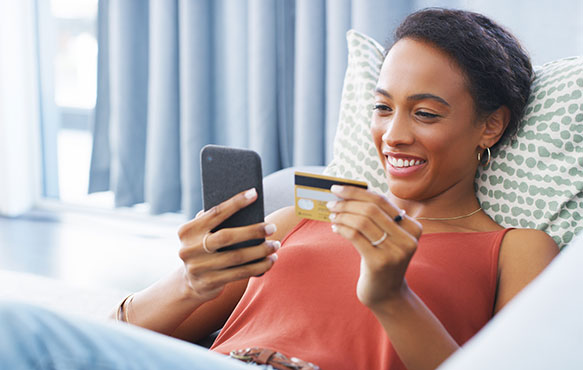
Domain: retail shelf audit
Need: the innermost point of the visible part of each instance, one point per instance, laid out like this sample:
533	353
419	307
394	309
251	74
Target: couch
536	180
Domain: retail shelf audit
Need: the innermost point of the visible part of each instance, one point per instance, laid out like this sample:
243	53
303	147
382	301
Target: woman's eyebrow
428	96
415	97
381	91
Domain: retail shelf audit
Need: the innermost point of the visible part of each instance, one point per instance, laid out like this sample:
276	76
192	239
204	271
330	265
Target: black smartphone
228	171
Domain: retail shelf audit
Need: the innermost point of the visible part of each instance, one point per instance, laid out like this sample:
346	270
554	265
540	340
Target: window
76	54
74	63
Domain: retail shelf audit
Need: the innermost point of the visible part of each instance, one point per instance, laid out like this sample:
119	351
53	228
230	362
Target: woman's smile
399	164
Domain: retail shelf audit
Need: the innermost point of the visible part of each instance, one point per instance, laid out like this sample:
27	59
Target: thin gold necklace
449	218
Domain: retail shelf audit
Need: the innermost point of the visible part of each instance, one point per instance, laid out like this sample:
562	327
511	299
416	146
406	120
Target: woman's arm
212	315
208	284
524	253
419	338
414	329
417	335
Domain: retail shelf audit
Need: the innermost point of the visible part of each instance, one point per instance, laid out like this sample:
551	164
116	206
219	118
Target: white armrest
541	329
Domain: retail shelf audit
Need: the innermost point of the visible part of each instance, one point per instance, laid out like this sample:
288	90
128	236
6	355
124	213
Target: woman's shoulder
524	253
528	240
527	249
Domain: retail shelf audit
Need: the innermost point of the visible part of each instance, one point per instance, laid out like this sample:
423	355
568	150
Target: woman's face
424	122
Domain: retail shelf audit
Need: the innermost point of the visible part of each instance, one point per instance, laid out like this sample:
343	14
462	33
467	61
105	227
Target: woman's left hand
363	217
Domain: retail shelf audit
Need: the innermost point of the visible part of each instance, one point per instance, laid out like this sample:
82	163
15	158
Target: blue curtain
174	75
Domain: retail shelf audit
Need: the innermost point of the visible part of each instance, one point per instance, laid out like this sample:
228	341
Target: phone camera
209	158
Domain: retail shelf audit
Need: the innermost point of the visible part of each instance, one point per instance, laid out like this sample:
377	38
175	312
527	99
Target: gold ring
204	243
382	239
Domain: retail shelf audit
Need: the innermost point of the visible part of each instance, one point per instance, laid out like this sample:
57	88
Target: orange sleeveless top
306	305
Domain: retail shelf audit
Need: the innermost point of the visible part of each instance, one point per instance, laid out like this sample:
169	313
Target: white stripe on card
315	195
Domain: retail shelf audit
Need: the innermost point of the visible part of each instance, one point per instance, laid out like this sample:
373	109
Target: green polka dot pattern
355	156
535	180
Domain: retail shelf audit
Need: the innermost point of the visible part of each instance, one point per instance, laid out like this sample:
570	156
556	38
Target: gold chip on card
312	192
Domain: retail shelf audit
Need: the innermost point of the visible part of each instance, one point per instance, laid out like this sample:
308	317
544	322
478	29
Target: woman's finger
355	193
216	279
387	255
232	258
361	242
219	213
376	236
369	229
212	242
229	236
386	216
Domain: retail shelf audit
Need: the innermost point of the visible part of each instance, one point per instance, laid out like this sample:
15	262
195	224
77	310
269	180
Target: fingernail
336	188
334	228
330	204
249	194
270	229
273	257
275	244
332	216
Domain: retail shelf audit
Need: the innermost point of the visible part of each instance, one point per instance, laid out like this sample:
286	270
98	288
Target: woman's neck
452	203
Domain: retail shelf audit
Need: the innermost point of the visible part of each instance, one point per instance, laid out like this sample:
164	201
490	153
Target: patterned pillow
354	154
535	180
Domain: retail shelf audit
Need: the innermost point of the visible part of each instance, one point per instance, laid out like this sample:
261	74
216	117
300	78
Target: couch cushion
535	180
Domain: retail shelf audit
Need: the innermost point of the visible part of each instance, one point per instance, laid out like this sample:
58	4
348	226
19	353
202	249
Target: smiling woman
410	275
425	114
450	89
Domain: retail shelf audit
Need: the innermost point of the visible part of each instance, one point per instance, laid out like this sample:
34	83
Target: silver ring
204	243
382	239
400	216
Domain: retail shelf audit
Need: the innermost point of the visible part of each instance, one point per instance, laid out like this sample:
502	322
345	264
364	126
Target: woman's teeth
404	163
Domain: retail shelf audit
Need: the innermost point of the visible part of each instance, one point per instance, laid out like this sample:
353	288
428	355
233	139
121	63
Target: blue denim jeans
35	338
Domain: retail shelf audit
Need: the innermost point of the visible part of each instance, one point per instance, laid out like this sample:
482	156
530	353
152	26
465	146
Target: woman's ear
494	126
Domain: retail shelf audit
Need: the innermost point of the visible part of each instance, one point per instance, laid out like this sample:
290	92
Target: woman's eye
382	107
424	114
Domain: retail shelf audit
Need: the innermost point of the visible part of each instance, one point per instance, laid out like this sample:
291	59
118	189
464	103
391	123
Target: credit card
312	192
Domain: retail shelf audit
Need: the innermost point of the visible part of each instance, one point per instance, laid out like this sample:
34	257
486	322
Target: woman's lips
403	166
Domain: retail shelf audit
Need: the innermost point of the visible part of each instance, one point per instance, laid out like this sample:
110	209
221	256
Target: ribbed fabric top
306	305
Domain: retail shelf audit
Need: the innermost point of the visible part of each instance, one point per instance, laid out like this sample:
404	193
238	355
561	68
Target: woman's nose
398	131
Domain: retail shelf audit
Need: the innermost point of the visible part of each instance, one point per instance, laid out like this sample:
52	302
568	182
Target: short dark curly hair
497	68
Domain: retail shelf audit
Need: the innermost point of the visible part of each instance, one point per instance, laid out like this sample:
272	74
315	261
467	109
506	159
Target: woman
397	281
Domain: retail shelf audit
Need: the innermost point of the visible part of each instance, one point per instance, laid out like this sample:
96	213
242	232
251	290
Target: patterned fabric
535	180
355	156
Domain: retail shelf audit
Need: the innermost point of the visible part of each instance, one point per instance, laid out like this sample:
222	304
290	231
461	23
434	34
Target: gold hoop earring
489	157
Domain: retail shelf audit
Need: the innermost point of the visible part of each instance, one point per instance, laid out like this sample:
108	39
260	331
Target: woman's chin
402	191
407	183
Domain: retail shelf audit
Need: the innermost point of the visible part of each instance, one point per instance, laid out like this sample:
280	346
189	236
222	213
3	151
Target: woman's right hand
206	274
